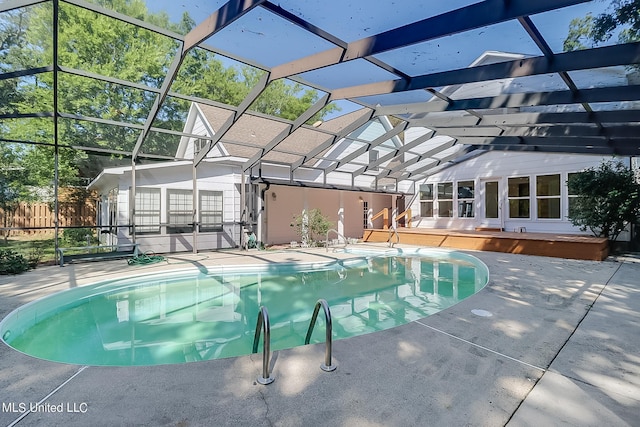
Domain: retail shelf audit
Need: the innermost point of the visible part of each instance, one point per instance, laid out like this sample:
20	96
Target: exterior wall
501	166
291	201
210	177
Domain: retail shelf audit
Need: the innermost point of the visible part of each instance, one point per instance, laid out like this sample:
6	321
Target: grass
32	245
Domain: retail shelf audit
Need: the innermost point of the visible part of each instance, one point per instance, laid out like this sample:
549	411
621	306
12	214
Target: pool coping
25	316
454	367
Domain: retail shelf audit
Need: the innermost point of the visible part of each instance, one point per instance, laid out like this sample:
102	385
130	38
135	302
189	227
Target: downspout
262	214
132	201
243	213
195	207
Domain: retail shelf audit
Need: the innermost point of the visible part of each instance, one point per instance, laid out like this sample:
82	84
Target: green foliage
12	262
15	183
608	199
311	226
103	46
78	236
623	18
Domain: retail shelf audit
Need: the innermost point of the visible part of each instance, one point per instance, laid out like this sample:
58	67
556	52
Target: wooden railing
407	215
384	213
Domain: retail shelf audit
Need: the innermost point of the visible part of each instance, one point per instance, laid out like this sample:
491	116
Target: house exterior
176	207
168	200
522	191
498	190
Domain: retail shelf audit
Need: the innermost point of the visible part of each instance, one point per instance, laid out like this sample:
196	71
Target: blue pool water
183	316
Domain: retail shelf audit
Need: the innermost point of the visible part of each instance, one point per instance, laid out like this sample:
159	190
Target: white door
491	207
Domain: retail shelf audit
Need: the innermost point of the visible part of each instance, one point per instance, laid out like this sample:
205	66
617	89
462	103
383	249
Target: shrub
608	199
12	262
311	226
78	236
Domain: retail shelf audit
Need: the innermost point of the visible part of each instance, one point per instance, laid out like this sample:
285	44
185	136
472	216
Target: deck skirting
542	244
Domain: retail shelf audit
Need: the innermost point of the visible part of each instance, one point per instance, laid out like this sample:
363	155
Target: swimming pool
183	316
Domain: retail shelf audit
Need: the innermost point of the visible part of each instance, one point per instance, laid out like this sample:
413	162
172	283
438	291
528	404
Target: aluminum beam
16	4
337	137
601	151
523	119
516	100
422	157
439	162
124	18
218	20
310	112
608	56
25	73
463	19
574	130
360	151
390	157
242	108
578	143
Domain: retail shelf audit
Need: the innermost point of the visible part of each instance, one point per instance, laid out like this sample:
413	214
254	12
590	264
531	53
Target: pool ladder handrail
327	366
393	231
326	240
263	324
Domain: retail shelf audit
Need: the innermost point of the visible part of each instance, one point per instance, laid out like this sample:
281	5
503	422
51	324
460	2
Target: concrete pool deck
561	347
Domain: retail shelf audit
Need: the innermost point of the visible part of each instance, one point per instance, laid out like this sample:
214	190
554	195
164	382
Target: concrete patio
560	348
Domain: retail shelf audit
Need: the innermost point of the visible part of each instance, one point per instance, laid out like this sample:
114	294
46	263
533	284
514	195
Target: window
365	214
211	203
199	144
179	211
548	196
573	196
112	207
147	210
466	194
445	199
519	201
426	200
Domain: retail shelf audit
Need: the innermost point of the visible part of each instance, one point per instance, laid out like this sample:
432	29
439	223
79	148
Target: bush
608	199
311	226
78	236
12	262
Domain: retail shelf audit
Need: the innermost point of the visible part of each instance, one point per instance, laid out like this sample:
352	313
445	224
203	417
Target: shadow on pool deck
560	347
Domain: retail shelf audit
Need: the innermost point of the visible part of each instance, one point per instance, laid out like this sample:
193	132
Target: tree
591	30
311	226
98	44
14	185
608	199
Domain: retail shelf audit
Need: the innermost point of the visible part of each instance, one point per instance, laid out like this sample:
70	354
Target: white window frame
179	211
511	198
207	211
465	202
427	201
147	210
445	200
547	197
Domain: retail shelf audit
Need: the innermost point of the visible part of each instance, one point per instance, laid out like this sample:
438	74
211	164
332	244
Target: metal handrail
395	232
327	366
263	323
326	241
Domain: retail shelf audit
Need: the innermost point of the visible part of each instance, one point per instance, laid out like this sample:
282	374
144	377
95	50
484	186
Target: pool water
178	318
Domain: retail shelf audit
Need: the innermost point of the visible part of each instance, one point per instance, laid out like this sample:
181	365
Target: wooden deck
543	244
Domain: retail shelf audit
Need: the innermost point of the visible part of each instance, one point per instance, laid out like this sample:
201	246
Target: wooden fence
38	218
